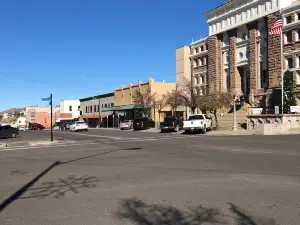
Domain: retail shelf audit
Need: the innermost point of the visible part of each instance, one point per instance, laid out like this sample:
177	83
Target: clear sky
50	46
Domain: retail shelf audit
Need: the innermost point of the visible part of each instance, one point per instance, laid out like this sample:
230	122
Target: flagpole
282	71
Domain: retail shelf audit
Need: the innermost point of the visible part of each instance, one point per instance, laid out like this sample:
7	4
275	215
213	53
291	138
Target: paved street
125	177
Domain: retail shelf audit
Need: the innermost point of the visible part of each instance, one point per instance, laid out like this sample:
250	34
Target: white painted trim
291	26
199	54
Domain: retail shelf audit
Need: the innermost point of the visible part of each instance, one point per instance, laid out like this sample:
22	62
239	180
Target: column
253	59
213	68
235	78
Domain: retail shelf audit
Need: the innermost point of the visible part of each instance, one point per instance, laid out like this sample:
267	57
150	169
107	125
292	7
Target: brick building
239	56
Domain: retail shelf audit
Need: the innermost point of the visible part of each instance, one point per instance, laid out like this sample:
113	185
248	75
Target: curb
40	143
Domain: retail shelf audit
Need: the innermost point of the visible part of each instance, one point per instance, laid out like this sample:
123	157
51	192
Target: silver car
126	125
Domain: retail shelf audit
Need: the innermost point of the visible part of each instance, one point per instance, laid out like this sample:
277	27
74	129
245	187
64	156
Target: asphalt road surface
124	177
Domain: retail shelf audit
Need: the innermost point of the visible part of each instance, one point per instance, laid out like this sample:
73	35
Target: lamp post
99	108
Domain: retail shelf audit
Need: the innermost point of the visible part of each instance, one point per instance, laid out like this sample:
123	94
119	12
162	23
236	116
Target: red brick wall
274	54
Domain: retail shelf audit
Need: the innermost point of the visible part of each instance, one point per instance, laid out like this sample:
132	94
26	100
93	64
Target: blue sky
51	46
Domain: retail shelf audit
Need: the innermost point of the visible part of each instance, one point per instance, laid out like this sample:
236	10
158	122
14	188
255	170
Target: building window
78	107
196	50
201	79
241	55
102	106
202	48
264	78
86	109
196	80
70	108
112	104
289	62
91	109
289	37
95	108
298	77
227	80
98	108
244	37
288	19
298	15
105	105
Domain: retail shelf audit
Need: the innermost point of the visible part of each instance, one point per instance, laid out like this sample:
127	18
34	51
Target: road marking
94	142
98	136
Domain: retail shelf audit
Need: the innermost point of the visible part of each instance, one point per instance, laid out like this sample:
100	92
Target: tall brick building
239	56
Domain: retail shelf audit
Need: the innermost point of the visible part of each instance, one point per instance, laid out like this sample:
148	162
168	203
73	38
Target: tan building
239	56
124	103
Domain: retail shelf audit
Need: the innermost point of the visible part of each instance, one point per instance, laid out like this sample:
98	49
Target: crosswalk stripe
94	142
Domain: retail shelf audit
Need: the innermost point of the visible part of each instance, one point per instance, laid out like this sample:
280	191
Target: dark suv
7	131
141	124
171	123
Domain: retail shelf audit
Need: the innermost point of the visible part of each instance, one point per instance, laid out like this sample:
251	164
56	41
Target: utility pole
99	108
51	113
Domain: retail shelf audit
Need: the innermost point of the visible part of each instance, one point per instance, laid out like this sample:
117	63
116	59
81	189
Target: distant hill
12	110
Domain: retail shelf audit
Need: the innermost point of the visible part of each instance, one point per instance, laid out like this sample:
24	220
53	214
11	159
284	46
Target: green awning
119	108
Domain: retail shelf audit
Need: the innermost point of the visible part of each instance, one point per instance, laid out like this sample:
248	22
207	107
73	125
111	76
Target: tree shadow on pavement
244	218
151	214
61	187
142	213
58	188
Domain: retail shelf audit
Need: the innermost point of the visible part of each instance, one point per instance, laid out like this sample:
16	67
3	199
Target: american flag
277	27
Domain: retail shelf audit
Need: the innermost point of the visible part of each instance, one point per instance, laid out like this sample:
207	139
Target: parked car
65	126
126	124
36	126
7	131
22	128
198	122
79	126
171	123
141	124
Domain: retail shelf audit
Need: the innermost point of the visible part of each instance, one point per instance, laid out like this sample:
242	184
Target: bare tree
188	94
160	104
175	99
144	102
214	103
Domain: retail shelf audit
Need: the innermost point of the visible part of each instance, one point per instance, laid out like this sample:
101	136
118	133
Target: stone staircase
226	118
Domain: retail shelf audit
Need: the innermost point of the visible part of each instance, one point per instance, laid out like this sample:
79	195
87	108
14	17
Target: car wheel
13	135
86	129
204	130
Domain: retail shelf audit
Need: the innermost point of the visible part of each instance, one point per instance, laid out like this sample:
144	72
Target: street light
99	108
234	127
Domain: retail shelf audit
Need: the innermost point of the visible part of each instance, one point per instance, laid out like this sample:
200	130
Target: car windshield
80	122
125	121
196	117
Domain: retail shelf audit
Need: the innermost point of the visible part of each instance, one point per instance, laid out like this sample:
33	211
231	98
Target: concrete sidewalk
229	132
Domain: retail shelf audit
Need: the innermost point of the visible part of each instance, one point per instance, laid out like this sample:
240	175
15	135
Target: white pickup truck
197	122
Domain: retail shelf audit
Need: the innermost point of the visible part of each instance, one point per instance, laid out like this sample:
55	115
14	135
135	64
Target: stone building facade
291	47
241	57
